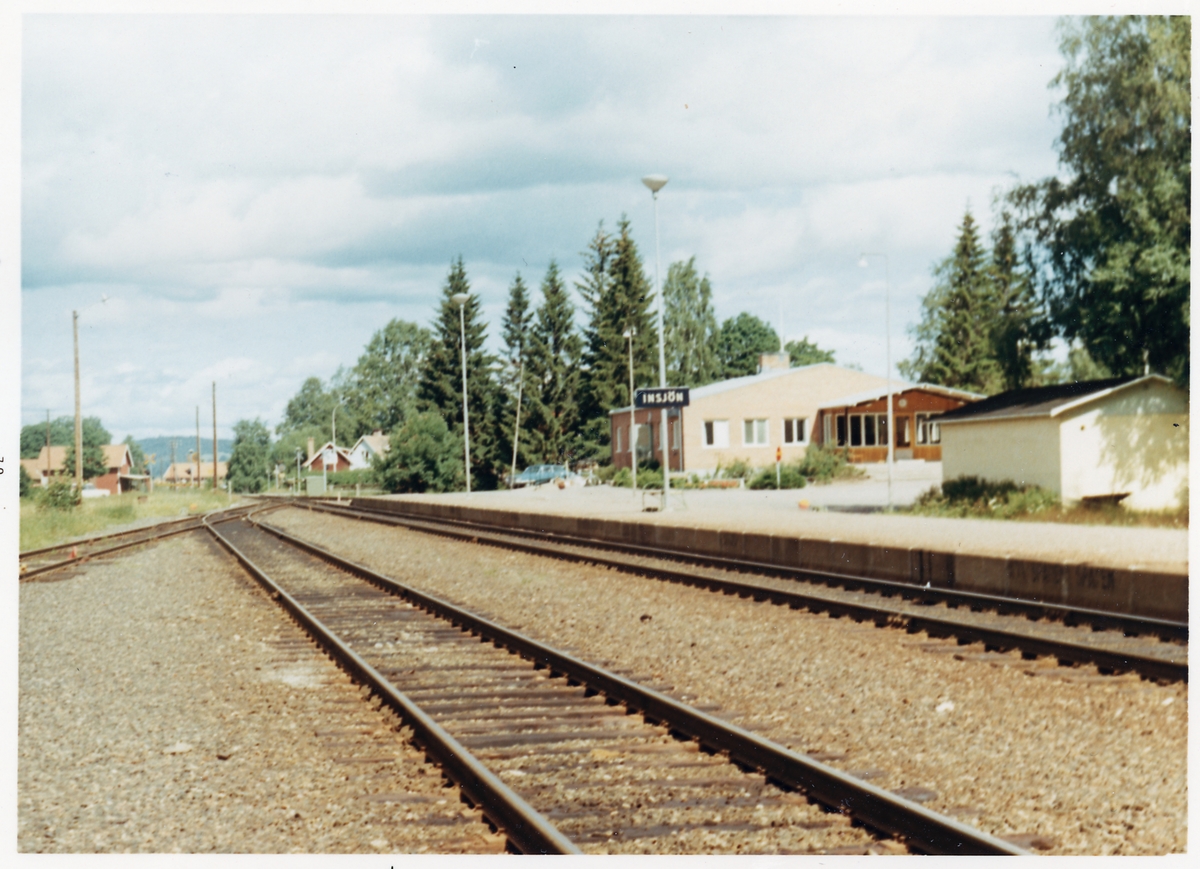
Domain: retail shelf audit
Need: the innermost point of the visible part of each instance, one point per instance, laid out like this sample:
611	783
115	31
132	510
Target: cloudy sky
257	195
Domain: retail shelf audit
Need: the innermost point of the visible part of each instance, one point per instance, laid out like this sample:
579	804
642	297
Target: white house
1124	439
366	448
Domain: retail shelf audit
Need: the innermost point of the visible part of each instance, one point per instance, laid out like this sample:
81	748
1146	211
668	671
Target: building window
754	432
903	431
676	435
620	431
856	430
928	432
794	431
716	433
841	430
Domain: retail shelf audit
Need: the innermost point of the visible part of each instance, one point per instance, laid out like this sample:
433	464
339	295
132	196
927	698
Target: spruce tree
618	296
440	389
1018	331
514	331
954	337
553	367
690	326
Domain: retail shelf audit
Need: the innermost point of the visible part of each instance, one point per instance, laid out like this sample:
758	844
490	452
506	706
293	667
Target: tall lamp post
78	414
656	183
887	325
461	299
629	334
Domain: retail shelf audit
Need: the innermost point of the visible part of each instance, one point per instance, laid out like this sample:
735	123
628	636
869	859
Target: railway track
563	756
1113	642
34	562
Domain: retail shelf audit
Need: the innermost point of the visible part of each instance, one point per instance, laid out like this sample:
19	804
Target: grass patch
43	526
973	498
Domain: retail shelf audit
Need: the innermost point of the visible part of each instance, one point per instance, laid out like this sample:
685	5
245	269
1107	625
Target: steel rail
1120	661
190	523
922	828
527	829
95	538
1033	609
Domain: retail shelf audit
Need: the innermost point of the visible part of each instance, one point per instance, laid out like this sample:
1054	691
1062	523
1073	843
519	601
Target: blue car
536	475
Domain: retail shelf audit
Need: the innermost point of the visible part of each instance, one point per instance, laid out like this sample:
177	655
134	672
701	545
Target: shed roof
377	443
116	454
898	387
1044	400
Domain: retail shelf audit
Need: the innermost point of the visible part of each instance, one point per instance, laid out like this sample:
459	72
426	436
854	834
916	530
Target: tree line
408	380
1099	255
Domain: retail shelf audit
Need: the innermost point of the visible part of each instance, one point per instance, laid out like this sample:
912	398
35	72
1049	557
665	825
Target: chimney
311	448
771	361
377	432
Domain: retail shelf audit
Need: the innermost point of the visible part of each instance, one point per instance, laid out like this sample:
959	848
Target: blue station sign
670	396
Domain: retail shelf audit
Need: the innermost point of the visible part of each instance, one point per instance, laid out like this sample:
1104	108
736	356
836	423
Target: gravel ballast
1061	759
166	705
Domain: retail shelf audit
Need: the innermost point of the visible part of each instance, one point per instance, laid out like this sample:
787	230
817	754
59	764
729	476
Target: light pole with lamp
461	299
629	334
298	451
887	325
656	183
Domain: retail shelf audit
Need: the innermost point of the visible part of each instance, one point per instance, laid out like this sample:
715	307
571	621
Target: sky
246	199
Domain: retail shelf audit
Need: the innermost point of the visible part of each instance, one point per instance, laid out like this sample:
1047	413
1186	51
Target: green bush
975	497
649	478
361	476
59	495
789	478
738	469
605	473
823	463
23	481
621	477
424	457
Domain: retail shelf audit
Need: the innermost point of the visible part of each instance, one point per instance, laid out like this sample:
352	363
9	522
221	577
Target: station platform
1139	571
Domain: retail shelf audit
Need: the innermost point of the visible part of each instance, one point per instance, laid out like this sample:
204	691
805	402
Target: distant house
1123	439
118	463
184	473
367	448
50	463
859	422
316	461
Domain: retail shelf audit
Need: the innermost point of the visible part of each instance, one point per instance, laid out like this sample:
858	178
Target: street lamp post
887	325
656	183
297	492
629	334
461	299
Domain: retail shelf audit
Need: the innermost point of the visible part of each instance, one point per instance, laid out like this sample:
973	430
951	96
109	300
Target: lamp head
460	299
655	182
629	333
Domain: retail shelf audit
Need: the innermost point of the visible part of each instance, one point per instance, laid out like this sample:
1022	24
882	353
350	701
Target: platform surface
771	512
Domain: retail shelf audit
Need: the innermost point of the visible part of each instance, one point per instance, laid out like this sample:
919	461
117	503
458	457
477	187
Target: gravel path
1067	759
167	706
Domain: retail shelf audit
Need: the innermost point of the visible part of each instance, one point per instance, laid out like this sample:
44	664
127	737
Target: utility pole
174	470
78	417
214	437
512	479
48	446
197	446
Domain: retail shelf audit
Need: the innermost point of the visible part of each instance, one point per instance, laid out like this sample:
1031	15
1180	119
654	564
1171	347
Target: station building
859	422
745	418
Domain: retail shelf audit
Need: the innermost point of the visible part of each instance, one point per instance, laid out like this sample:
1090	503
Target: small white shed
1126	437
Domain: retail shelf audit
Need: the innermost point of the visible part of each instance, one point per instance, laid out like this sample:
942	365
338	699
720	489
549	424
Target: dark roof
1038	401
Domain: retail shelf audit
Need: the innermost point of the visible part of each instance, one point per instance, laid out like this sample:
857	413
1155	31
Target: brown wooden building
859	421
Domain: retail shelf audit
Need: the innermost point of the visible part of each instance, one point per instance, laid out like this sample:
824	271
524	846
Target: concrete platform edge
1144	593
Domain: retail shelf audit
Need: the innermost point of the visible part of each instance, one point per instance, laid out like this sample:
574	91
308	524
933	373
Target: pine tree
690	326
618	297
553	367
954	338
440	389
515	332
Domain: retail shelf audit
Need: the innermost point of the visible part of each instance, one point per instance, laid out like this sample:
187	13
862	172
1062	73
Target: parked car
90	491
536	475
